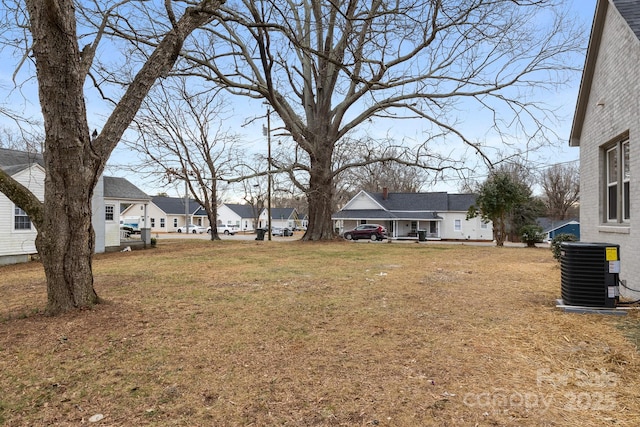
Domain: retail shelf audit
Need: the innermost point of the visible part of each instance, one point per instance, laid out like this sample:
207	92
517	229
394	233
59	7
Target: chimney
385	193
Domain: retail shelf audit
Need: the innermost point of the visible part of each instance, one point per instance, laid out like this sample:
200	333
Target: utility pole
186	202
268	132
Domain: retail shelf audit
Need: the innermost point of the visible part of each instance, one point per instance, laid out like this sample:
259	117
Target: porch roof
358	214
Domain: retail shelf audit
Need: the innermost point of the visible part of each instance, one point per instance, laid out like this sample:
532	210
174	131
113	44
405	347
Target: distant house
606	127
552	228
119	192
280	218
18	234
441	215
166	214
241	216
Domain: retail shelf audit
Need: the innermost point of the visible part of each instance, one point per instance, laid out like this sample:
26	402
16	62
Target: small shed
570	226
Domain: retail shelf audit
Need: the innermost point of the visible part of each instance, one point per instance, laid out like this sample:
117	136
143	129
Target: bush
557	241
531	234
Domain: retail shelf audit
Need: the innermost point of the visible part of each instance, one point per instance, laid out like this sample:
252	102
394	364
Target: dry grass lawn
195	333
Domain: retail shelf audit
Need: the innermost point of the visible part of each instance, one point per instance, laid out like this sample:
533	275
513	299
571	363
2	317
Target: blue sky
26	99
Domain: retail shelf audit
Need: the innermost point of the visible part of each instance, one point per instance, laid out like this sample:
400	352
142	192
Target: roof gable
362	200
630	12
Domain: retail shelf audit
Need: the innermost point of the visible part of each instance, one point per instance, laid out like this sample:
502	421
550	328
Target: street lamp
267	131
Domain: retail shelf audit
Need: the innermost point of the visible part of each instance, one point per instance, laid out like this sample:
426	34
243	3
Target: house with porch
440	215
606	128
166	214
119	192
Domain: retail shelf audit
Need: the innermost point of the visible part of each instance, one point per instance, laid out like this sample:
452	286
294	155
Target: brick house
606	127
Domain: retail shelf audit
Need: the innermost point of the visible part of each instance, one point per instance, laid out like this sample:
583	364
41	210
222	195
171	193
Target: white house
280	218
118	192
241	216
166	214
18	234
442	216
606	127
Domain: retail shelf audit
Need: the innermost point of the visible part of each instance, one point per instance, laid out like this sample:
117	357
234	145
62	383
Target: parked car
279	231
366	231
195	229
224	229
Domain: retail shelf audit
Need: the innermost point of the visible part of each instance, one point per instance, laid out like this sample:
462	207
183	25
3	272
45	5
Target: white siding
229	217
469	229
97	218
20	242
362	201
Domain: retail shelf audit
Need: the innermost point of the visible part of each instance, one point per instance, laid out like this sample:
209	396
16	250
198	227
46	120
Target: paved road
237	236
298	235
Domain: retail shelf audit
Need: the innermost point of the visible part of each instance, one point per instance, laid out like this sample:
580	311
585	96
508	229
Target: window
457	225
108	212
21	220
153	222
161	222
618	175
175	222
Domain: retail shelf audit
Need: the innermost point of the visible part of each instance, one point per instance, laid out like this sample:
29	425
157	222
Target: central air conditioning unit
589	274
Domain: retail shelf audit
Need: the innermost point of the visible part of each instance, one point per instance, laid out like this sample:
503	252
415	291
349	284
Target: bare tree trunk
66	244
65	236
320	196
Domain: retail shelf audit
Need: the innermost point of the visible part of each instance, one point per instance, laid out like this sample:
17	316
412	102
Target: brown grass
196	333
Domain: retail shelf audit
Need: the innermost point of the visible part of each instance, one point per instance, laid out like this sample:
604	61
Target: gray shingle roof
363	214
437	201
285	213
630	11
13	161
410	206
243	211
175	205
121	188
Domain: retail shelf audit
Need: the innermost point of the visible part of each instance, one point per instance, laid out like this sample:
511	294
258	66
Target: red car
366	231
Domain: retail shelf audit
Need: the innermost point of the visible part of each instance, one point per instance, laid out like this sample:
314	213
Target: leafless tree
22	139
561	189
180	136
255	195
374	176
51	38
327	67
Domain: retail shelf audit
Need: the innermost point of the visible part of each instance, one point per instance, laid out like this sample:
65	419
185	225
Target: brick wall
616	86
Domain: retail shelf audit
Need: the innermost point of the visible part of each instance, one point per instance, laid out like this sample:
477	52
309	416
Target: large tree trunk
65	242
65	237
320	195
